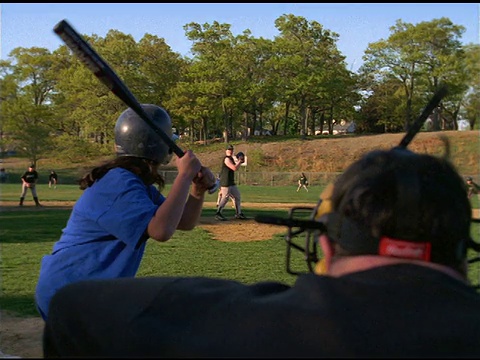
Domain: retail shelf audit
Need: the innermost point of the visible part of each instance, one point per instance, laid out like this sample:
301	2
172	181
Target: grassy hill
335	153
278	154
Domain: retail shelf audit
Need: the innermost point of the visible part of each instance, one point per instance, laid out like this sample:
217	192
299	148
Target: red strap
404	249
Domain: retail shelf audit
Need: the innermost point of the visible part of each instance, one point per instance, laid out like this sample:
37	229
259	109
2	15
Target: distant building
463	125
344	127
263	132
429	124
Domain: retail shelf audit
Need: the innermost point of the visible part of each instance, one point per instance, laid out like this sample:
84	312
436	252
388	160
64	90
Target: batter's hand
204	179
188	164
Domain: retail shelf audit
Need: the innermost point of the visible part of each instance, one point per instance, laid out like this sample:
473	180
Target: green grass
28	234
267	194
11	192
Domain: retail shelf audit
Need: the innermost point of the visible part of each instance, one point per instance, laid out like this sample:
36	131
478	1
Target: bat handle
214	187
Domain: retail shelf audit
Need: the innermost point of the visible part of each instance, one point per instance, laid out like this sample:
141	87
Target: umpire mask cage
134	137
304	225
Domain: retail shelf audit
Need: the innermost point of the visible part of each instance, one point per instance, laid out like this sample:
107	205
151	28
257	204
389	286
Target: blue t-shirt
105	235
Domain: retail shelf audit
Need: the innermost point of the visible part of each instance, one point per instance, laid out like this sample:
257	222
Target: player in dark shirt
29	181
52	179
473	187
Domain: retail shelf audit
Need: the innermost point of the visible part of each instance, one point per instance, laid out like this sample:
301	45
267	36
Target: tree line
231	85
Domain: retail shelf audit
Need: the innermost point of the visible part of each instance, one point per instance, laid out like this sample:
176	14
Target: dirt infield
21	337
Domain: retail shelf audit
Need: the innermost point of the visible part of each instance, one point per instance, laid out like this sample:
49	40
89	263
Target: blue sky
358	24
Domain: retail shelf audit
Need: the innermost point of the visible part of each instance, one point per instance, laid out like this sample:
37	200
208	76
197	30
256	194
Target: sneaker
220	217
240	216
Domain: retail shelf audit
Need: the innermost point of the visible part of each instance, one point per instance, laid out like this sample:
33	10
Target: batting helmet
134	137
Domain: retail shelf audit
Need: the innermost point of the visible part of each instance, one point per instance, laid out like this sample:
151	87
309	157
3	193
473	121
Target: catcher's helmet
134	137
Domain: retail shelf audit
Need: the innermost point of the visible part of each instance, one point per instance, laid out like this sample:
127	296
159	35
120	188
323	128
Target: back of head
402	204
134	137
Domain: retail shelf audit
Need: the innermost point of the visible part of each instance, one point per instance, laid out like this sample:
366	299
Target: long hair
144	168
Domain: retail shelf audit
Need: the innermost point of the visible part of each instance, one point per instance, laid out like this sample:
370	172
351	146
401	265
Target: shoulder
121	178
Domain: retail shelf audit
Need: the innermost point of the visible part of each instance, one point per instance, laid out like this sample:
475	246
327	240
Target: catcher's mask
134	137
415	206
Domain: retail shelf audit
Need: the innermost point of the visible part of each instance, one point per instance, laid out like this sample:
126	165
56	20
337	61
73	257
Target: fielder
473	187
302	182
29	181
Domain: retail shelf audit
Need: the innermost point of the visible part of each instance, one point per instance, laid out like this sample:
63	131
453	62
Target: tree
213	73
416	54
27	109
471	101
309	68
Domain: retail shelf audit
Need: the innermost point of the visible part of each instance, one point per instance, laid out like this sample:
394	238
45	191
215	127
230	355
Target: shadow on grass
21	305
32	226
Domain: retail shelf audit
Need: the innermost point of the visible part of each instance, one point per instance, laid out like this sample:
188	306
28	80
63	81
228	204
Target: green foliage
420	57
78	150
234	85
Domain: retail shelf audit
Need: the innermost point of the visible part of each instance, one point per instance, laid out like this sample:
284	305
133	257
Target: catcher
121	208
29	181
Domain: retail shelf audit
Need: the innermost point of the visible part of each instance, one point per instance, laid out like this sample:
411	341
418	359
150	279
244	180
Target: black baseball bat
418	123
99	67
102	70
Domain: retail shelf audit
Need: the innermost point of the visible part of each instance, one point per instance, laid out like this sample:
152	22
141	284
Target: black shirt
30	176
227	175
404	310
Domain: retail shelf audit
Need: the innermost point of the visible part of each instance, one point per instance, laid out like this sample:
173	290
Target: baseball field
237	249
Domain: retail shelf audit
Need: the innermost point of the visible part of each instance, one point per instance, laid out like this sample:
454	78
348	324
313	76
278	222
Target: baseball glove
240	155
